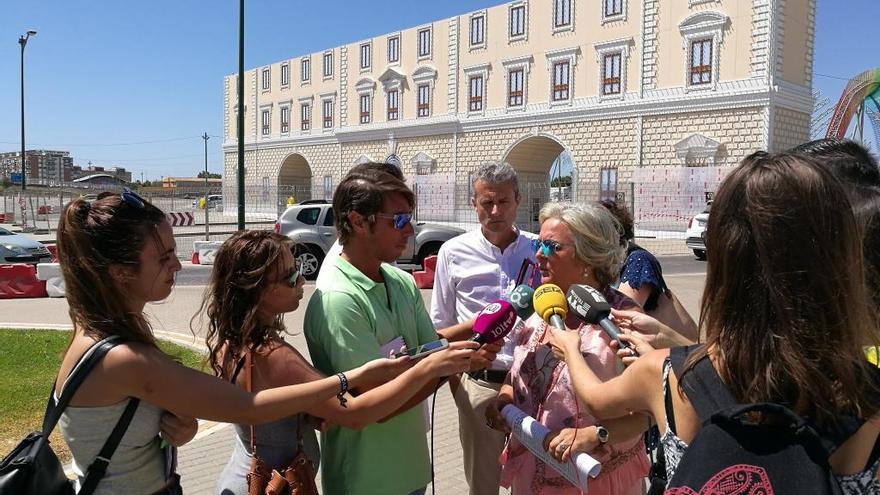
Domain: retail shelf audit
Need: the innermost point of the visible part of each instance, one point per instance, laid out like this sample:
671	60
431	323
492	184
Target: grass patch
29	361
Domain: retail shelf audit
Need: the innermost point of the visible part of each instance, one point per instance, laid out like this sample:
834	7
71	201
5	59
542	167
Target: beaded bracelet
343	388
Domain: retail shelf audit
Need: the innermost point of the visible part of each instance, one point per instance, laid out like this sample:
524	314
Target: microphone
590	306
494	322
521	300
550	304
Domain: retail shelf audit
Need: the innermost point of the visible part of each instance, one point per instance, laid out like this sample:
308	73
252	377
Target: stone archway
533	157
294	180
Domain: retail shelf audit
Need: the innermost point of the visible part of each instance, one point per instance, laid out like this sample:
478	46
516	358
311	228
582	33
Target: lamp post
207	190
22	40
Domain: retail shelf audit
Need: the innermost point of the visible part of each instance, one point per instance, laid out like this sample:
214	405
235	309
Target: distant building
100	181
190	183
42	167
118	172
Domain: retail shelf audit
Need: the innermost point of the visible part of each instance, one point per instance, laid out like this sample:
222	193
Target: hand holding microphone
549	302
590	306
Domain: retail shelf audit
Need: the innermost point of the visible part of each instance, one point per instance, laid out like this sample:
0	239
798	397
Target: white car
696	233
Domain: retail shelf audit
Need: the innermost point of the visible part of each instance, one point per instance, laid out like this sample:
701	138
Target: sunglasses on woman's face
295	273
546	246
400	219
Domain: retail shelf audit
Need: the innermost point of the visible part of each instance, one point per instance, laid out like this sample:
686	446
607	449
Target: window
285	120
393	49
365	108
267	121
309	216
328	114
267	81
425	42
701	61
613	8
328	218
305	116
517	21
328	64
366	61
608	183
305	70
515	88
560	81
611	74
561	13
424	100
478	30
328	193
285	75
476	94
393	104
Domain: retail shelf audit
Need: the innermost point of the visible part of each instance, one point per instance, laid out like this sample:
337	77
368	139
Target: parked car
312	226
212	201
17	248
696	233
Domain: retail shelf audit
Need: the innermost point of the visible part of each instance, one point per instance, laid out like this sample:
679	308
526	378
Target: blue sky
134	84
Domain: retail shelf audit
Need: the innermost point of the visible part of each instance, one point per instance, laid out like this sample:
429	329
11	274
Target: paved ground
202	460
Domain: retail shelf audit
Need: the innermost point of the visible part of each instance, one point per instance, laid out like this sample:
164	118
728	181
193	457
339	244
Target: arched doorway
294	180
534	157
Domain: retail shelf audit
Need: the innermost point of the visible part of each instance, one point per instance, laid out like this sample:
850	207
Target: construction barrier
20	280
206	251
51	274
425	277
53	249
7	217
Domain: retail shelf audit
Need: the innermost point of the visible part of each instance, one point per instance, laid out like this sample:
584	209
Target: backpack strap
98	467
667	399
702	385
74	379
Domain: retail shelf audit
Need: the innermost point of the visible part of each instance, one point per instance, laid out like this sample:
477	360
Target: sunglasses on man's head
132	198
400	219
546	246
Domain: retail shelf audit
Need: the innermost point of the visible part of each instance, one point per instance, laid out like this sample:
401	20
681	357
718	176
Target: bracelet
343	388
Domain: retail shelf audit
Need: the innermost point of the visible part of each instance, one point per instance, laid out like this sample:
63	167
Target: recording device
521	300
590	306
494	322
550	304
423	350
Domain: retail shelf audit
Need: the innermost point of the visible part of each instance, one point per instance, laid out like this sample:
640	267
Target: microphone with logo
550	304
590	306
494	322
521	300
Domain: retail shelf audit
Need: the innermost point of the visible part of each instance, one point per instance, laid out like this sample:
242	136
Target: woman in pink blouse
579	244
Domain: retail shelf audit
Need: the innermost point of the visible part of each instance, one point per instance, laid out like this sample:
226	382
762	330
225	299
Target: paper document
531	434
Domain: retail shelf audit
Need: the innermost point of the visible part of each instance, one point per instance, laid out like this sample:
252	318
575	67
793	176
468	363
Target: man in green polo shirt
364	309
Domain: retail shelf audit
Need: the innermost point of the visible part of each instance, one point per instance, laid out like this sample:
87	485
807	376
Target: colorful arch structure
861	96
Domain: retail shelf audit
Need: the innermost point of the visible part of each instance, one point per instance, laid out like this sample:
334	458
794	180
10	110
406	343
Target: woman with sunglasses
578	244
255	281
117	254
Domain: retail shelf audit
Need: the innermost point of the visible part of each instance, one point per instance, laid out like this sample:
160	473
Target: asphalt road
197	275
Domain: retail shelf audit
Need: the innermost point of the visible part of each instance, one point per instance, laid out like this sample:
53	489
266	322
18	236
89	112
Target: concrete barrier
207	250
51	274
20	280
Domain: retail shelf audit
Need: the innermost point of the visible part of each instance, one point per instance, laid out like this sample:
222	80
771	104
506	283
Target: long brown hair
91	238
244	266
785	309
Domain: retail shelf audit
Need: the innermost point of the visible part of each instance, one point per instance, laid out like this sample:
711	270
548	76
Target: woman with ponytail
117	254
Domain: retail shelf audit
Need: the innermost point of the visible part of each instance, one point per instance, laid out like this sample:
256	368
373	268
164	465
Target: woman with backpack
117	253
255	281
780	396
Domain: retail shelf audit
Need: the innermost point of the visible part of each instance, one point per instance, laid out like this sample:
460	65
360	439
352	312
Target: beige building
652	101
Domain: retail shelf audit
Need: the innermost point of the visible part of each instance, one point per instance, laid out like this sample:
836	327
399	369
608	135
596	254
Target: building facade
652	101
42	167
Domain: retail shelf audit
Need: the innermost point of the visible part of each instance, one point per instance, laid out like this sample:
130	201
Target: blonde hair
596	235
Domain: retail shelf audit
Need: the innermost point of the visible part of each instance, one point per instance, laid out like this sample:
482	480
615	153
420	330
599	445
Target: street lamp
22	40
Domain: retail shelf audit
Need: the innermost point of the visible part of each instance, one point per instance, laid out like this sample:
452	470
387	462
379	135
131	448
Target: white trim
518	63
525	34
621	46
324	54
485	16
423	163
325	97
479	70
700	25
424	73
265	88
430	29
566	28
389	89
369	67
616	17
365	85
691	3
399	53
265	108
555	56
284	65
308	80
281	107
392	79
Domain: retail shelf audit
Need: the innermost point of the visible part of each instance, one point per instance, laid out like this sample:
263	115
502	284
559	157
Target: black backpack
733	454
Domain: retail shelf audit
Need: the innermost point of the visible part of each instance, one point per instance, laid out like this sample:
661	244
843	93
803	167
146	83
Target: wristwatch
602	434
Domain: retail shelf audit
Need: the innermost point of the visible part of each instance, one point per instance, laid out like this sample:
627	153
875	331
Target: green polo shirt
347	322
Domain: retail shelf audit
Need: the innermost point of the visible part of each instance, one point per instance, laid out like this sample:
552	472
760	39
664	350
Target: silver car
16	248
312	226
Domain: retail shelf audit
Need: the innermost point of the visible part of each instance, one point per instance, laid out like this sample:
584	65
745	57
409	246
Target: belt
491	376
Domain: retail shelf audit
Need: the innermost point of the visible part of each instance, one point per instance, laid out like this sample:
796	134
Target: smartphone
423	350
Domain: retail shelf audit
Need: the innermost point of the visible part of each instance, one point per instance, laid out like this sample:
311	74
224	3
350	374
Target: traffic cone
195	258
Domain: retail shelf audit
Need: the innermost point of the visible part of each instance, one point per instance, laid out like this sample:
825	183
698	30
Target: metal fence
661	199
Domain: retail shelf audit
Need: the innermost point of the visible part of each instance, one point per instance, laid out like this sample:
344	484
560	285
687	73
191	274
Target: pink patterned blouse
543	389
